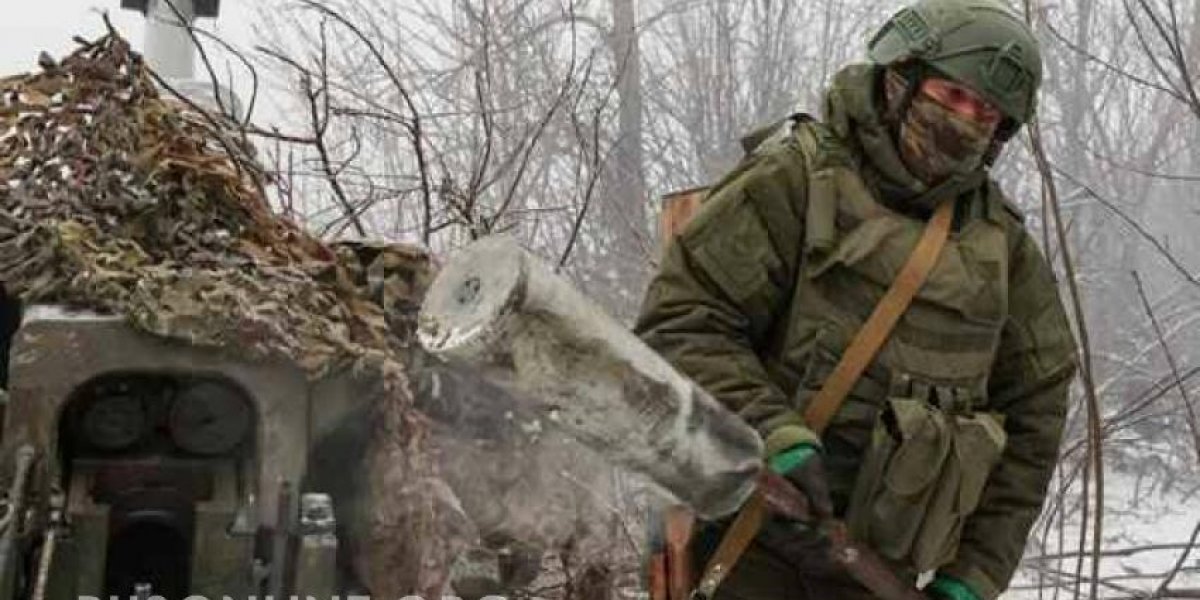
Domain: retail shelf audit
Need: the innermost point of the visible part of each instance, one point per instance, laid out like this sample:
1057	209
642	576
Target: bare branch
1189	412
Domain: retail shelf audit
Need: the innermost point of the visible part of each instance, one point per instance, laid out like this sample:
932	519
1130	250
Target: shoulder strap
854	361
764	136
883	319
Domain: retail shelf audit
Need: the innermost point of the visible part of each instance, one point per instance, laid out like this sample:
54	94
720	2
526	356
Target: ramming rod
10	557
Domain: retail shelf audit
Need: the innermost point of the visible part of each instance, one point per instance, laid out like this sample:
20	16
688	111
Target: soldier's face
947	130
962	100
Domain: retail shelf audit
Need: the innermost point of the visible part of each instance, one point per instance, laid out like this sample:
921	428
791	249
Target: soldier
760	295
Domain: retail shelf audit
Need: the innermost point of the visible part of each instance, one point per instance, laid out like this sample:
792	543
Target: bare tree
558	121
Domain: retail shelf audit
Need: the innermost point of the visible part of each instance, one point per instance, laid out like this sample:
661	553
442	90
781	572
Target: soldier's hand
799	540
802	466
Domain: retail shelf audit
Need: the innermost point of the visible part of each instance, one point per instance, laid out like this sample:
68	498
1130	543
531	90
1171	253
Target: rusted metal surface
861	562
501	310
866	567
679	522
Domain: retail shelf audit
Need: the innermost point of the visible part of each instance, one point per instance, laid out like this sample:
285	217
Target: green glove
801	465
791	458
945	587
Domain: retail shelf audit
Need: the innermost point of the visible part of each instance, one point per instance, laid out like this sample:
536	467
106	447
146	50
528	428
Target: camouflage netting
117	198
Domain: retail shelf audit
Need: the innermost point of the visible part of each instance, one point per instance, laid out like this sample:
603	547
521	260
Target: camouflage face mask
935	142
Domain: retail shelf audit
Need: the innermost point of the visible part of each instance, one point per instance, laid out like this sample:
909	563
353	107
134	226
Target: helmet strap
1007	129
993	151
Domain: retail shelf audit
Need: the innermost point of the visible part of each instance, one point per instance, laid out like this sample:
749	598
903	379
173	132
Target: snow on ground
1135	516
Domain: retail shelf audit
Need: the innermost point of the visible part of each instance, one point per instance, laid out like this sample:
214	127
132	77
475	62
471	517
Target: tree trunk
629	179
618	264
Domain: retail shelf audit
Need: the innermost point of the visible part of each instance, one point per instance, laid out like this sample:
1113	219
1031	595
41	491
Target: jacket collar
853	110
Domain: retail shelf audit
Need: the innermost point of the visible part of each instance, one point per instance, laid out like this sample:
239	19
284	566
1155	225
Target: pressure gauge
114	421
209	418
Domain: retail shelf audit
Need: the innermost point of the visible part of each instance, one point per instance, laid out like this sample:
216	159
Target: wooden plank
677	210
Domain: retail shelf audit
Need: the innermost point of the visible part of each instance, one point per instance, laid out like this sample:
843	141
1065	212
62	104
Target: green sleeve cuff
786	437
791	458
951	588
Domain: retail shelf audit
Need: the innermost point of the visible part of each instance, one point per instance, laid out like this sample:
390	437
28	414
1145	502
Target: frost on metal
500	310
58	312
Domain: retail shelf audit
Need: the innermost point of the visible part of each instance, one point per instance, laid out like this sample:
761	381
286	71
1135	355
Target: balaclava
933	141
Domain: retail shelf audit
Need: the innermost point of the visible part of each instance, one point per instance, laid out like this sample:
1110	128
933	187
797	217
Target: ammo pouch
921	477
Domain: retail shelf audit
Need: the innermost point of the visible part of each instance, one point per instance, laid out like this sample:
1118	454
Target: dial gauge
209	418
115	421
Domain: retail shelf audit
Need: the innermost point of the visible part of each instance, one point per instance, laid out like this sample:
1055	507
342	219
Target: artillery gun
144	466
136	465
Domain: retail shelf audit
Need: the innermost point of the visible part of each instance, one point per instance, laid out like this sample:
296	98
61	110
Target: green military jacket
760	294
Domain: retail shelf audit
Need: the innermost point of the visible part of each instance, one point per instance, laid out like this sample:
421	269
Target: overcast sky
30	26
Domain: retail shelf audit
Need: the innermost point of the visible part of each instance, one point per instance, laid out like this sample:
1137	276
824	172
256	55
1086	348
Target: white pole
169	47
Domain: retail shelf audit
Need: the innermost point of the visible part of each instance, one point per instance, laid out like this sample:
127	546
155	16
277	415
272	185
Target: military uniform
762	292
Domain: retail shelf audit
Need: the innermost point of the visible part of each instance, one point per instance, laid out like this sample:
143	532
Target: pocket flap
924	445
979	443
863	241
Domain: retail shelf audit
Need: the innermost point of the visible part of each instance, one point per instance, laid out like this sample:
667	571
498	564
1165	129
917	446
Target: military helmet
980	43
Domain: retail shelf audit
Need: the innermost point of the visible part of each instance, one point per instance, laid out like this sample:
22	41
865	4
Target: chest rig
942	349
